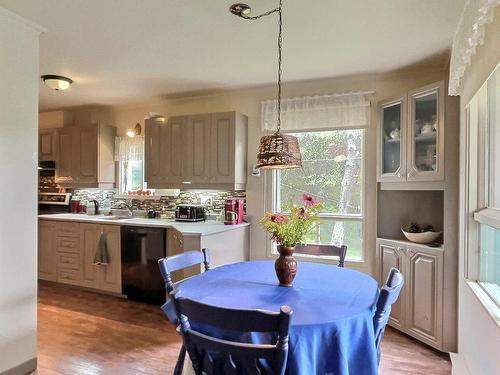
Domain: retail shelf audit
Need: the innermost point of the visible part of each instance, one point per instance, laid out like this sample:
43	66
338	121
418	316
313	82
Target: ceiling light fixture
56	82
276	151
136	131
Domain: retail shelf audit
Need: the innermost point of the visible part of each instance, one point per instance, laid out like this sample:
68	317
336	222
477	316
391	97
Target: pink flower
278	218
309	200
302	214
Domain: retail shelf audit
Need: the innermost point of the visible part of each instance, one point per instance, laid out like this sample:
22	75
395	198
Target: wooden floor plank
85	333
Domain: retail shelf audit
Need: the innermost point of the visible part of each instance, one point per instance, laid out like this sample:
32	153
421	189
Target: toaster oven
190	213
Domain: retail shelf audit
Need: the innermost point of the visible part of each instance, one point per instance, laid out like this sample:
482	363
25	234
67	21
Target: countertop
202	228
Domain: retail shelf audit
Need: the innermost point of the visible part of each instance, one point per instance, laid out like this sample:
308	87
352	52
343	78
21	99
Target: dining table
331	330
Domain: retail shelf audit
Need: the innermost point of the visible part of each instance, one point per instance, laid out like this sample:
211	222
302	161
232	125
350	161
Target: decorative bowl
421	237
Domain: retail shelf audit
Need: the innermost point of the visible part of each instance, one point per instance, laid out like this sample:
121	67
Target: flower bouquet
287	230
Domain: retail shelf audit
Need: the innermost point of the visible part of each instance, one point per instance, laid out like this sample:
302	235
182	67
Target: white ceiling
120	51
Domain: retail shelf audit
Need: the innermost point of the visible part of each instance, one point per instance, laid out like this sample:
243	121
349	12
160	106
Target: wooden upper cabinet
411	137
199	151
85	156
64	159
47	144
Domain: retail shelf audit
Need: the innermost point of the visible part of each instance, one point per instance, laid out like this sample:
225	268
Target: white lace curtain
127	148
469	34
350	110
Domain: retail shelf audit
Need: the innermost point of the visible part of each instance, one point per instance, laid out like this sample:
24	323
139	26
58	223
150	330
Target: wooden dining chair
175	263
328	250
389	294
211	355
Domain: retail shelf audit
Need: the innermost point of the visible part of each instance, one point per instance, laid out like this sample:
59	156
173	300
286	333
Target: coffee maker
234	211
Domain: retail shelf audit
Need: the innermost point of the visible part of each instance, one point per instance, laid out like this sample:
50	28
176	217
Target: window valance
127	148
469	34
351	110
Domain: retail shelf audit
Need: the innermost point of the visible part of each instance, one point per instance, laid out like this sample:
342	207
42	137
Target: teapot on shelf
395	134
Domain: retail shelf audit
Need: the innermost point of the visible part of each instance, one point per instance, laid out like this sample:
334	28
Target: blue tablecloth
331	328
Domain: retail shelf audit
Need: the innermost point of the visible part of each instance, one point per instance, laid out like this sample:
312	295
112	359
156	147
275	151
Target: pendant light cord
280	45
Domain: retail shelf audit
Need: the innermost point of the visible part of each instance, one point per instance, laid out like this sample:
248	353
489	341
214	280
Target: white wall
248	101
478	334
18	187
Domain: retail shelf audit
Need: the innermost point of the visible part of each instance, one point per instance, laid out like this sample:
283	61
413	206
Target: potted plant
288	229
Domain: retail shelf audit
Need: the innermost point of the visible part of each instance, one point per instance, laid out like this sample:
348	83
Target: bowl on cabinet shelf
421	237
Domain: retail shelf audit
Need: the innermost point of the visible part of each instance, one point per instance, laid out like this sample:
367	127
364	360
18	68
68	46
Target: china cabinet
411	136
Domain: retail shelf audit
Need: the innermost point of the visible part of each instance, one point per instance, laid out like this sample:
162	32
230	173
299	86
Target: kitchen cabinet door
391	255
425	135
111	277
47	145
153	172
173	149
85	154
424	285
91	273
46	251
64	160
222	145
196	160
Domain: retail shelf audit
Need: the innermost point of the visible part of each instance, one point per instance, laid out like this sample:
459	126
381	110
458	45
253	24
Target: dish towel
101	256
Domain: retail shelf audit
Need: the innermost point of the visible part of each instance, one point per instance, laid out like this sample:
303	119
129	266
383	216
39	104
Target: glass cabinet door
392	160
425	135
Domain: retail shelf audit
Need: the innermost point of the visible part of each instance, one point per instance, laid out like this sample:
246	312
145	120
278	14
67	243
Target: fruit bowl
421	237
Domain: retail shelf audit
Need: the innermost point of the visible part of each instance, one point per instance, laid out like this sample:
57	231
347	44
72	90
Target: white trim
24	21
459	365
489	216
488	303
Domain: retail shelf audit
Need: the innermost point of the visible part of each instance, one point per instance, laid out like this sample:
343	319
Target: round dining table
331	329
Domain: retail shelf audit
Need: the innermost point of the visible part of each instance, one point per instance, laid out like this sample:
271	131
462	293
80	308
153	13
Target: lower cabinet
46	251
67	252
419	310
101	276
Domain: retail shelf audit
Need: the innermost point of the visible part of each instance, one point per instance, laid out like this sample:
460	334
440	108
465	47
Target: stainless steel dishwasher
141	248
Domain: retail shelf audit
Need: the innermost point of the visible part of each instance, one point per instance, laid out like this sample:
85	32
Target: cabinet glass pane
391	141
425	128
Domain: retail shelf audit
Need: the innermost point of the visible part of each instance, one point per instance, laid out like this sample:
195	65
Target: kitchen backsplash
212	200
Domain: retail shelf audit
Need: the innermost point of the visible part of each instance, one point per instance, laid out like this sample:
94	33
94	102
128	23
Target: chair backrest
389	294
329	250
212	355
177	262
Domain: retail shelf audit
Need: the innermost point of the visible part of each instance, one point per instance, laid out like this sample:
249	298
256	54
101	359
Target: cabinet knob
409	174
399	175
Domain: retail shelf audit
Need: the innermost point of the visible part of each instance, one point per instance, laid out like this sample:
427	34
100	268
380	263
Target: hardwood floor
85	333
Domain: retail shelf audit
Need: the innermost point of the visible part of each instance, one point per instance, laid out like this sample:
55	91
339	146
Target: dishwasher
141	248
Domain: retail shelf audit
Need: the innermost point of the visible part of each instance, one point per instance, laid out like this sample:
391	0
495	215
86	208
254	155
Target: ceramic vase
286	265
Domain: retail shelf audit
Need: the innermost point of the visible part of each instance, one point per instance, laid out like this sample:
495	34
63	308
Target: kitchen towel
101	256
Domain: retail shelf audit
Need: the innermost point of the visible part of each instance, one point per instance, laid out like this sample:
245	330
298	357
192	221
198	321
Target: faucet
130	207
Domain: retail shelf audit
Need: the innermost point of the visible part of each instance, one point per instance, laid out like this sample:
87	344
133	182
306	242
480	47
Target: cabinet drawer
68	276
68	244
68	260
69	229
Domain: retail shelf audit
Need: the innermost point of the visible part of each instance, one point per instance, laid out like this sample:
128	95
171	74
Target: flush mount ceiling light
276	151
56	82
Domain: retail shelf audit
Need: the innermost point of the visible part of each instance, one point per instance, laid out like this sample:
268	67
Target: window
129	152
131	175
333	173
483	188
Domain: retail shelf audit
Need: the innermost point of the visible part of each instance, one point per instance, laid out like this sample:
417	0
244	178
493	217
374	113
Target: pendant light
276	151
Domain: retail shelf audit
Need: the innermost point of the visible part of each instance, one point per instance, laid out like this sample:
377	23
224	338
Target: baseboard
459	367
24	368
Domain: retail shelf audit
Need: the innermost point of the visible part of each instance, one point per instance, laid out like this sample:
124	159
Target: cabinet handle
399	175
